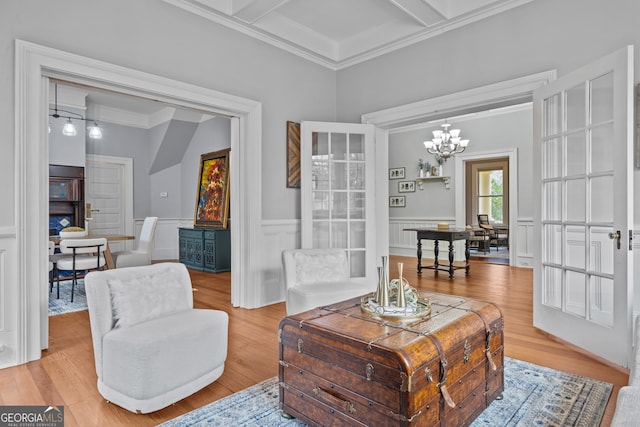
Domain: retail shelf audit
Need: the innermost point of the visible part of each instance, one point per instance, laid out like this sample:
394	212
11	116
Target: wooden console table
450	235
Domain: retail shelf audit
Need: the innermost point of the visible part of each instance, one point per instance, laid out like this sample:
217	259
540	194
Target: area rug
533	396
63	304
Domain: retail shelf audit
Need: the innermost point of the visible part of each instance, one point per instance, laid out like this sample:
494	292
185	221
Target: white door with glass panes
583	158
337	192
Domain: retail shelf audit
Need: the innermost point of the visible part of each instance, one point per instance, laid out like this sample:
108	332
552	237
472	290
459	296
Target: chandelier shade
446	142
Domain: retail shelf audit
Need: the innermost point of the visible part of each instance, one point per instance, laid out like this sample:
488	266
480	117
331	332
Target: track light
69	128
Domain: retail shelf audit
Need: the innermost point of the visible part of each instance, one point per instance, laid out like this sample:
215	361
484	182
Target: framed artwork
396	202
406	186
293	155
396	173
212	198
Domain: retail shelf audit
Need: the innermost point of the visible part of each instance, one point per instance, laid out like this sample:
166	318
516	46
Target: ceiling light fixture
446	143
69	128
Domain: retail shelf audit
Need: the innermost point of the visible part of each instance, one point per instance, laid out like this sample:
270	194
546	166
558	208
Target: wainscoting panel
524	251
8	297
276	237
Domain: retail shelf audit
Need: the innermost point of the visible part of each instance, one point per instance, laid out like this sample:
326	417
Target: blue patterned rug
533	396
64	304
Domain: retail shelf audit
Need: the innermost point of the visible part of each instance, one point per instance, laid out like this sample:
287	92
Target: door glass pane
339	236
552	201
357	262
601	300
576	293
320	234
602	98
320	204
356	176
339	206
552	120
553	155
577	147
356	147
320	144
576	247
356	205
553	244
576	200
339	176
601	250
338	146
319	175
601	152
576	111
602	199
357	230
552	287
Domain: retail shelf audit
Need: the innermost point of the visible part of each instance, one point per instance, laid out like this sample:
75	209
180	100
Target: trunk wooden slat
340	365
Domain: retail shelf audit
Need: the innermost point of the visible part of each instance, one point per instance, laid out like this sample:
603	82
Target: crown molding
336	63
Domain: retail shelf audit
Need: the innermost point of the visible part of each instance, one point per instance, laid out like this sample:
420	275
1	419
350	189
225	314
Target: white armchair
151	347
318	277
141	255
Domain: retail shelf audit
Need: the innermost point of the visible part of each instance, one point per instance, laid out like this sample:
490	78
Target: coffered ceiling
339	33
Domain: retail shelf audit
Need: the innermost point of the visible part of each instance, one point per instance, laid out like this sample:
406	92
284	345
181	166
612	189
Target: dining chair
497	236
85	254
142	254
52	264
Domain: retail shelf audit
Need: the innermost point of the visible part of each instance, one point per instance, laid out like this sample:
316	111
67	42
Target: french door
583	158
337	171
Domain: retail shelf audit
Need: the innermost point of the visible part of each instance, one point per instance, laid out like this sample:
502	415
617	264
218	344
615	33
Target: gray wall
158	38
486	133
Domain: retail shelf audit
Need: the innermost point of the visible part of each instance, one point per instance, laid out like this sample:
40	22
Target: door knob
616	236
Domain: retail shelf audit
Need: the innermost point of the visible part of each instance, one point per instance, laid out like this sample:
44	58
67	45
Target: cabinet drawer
210	234
190	234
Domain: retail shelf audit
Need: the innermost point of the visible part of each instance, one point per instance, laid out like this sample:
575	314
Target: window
490	194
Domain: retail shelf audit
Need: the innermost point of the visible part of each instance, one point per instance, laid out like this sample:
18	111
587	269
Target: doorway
35	64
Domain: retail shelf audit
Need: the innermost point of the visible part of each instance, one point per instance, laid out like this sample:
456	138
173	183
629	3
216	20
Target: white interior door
337	172
583	153
108	188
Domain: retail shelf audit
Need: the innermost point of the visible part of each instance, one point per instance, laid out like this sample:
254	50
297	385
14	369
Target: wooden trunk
340	365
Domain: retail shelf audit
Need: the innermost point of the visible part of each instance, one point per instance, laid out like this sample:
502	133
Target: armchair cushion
138	298
320	267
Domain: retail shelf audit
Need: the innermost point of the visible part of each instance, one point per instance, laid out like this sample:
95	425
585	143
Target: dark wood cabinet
66	197
205	249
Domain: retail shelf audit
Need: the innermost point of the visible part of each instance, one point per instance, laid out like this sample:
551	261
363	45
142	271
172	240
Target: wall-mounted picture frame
397	202
406	186
396	173
293	155
212	198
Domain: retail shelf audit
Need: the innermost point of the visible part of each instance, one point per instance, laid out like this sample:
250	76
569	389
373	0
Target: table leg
450	259
466	256
108	258
435	253
419	256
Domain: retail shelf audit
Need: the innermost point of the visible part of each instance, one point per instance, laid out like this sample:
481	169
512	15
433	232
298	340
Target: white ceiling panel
339	33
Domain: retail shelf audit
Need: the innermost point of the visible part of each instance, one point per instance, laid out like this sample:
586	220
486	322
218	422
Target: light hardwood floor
66	374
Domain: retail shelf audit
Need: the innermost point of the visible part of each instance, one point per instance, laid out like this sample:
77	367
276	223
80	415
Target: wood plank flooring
66	373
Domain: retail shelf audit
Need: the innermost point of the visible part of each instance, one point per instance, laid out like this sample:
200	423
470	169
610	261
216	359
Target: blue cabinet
205	249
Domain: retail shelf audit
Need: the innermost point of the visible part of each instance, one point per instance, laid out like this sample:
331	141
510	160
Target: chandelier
69	128
446	143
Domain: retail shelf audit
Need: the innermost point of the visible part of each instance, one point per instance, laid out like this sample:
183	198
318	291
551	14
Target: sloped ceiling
339	33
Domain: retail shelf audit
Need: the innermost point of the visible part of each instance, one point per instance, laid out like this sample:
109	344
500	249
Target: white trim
459	187
496	95
127	163
311	47
34	65
510	92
